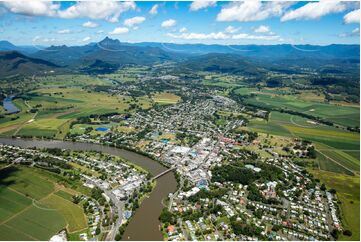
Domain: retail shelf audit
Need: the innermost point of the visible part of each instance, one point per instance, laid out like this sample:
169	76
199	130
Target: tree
323	187
97	230
166	216
335	233
347	232
118	237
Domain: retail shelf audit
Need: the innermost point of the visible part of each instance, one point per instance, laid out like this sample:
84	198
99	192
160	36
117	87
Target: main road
144	225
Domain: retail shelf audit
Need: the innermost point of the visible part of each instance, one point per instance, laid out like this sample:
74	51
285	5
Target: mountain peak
6	45
109	42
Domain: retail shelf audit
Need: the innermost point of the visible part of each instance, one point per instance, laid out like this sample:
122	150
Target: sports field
30	207
165	98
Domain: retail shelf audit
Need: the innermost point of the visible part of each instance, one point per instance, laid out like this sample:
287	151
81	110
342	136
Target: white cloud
168	23
36	8
108	10
262	29
230	29
183	30
354	32
252	10
154	9
200	4
90	24
100	31
64	31
200	36
134	21
352	17
257	37
314	10
120	30
39	39
86	39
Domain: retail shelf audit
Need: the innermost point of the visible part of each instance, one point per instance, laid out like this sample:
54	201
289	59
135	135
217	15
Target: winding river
144	225
9	106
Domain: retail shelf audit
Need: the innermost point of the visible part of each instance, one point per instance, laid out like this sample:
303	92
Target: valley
207	117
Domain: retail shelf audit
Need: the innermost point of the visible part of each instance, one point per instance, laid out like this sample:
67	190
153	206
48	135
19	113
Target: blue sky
209	22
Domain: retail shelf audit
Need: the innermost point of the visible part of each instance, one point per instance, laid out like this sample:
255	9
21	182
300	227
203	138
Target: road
119	207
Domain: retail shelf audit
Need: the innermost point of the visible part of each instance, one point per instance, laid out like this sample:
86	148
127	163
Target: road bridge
163	173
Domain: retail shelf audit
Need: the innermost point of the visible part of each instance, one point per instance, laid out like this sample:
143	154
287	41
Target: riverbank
145	224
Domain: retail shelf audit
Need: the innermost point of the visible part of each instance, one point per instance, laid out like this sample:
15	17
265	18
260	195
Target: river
9	106
144	225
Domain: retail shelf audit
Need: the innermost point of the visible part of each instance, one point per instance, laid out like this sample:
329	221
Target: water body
145	224
9	106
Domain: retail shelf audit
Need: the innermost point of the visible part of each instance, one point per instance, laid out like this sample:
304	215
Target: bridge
163	173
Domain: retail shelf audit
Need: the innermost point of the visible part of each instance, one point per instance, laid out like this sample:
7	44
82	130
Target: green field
337	158
166	98
73	214
335	144
57	107
275	98
348	192
30	208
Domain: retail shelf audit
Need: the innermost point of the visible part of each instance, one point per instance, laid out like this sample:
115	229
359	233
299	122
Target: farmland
49	110
29	201
348	191
311	104
329	139
165	98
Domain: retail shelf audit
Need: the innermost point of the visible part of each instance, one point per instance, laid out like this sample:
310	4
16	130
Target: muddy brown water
144	225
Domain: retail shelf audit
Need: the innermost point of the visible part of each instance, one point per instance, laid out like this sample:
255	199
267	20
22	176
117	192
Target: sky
48	23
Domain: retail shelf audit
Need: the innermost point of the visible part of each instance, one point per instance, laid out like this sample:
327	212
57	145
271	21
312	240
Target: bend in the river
144	225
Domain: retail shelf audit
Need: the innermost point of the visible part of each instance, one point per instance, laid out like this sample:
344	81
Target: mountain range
108	55
13	63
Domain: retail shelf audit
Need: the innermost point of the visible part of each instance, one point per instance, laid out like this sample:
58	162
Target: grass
64	195
166	98
348	192
46	127
310	103
11	203
332	142
58	106
31	207
73	214
25	181
84	169
37	223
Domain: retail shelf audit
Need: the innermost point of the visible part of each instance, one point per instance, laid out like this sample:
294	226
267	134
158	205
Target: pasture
335	144
73	214
310	104
165	98
348	192
56	107
33	208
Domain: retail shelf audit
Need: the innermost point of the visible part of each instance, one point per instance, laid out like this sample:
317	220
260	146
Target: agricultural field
32	208
310	103
165	98
48	111
348	192
340	147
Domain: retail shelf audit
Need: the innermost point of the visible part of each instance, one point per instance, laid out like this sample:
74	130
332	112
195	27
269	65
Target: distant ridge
15	63
108	55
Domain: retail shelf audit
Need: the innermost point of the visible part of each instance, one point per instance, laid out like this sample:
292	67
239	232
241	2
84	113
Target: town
228	187
115	187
